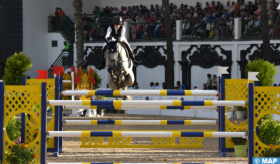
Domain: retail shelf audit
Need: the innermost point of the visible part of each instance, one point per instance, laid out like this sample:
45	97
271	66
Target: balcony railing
189	30
204	30
149	31
64	59
252	28
63	26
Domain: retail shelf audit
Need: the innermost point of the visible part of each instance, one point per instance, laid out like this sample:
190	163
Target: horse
119	66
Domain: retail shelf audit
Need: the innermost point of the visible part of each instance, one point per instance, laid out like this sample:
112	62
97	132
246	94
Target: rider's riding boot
131	55
102	64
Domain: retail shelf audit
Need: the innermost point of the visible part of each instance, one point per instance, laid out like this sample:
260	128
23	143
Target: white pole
136	107
148	103
143	134
141	92
141	122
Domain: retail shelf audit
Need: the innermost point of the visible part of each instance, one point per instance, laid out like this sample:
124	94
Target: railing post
127	32
237	28
178	29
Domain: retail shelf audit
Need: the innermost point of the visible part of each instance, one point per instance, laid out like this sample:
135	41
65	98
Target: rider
117	30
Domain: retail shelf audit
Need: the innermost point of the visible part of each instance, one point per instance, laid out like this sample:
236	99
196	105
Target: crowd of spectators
214	20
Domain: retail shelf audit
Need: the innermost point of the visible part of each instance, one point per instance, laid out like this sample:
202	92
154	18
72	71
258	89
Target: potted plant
240	147
240	112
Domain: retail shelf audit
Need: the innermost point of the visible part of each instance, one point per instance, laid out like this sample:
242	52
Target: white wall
54	52
36	39
146	75
199	75
35	33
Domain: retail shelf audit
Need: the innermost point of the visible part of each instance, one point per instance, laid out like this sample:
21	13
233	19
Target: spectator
214	82
258	11
213	6
207	6
195	87
62	13
106	10
56	13
179	86
152	85
209	81
256	4
115	10
242	5
197	6
86	30
136	87
204	86
164	87
279	84
107	86
275	85
85	18
157	86
66	46
157	10
96	11
228	6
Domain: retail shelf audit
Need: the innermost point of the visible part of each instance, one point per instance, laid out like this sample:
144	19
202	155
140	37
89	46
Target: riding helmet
117	20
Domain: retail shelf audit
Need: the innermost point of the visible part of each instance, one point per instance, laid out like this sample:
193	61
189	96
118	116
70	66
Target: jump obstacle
140	122
34	104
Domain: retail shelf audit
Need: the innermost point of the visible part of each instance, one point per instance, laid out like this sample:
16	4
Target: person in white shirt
157	86
117	30
152	85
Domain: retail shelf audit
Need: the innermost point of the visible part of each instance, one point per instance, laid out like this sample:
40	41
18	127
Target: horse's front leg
110	70
121	73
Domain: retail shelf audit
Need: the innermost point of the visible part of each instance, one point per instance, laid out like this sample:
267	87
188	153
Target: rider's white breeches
123	41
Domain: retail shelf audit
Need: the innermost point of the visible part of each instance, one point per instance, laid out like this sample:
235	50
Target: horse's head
112	45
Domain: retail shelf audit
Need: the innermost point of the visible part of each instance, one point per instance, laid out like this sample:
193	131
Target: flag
73	68
43	75
61	72
79	75
91	76
56	70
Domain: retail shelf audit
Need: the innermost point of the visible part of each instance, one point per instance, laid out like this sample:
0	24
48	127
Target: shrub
16	65
267	71
13	129
97	78
265	117
20	154
271	152
269	132
239	141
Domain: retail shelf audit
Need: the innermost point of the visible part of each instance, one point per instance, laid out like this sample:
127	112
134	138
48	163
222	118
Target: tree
16	65
78	4
267	71
265	30
170	56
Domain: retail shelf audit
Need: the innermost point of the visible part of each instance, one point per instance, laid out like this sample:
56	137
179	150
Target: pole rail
140	92
140	122
147	103
143	134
